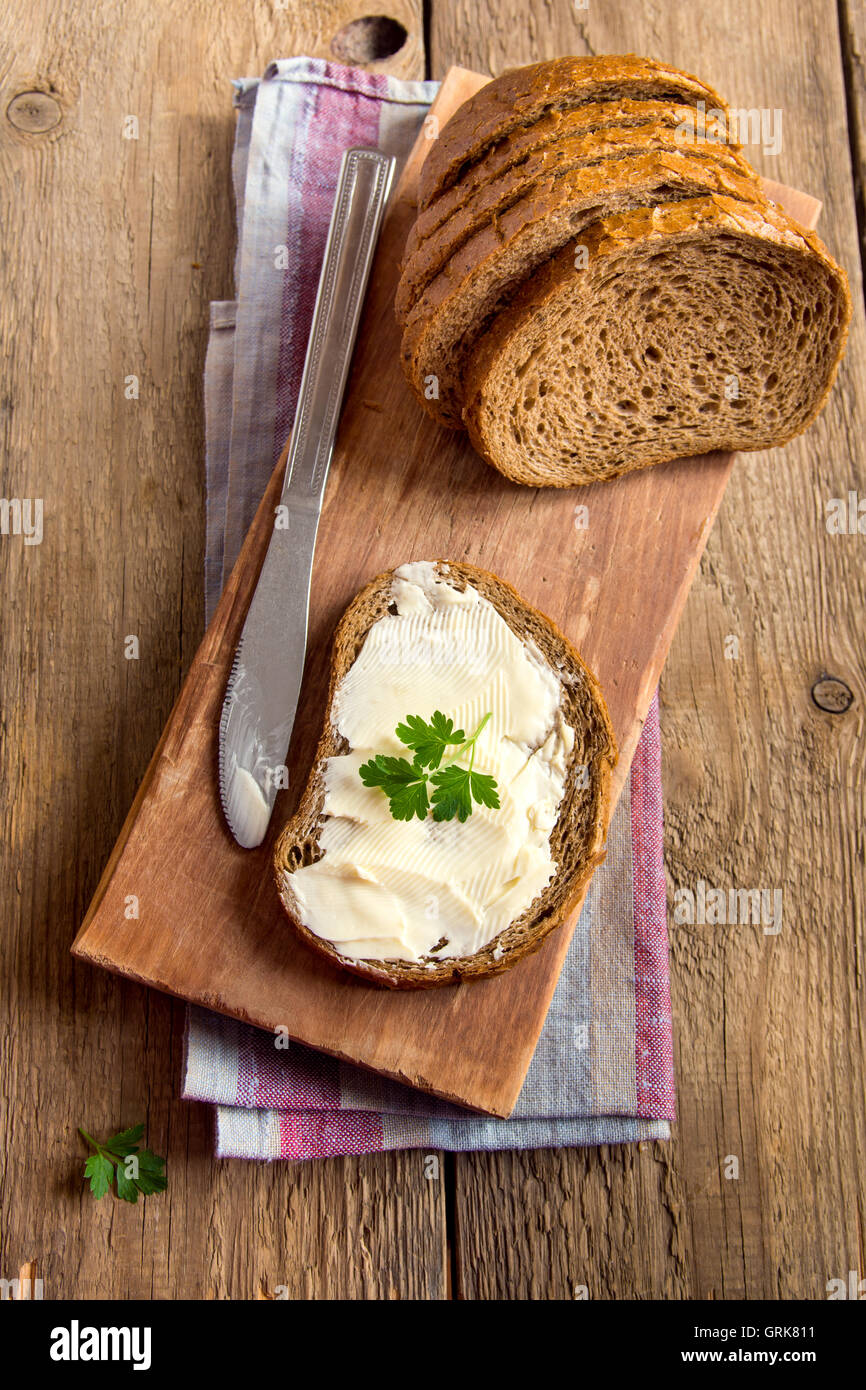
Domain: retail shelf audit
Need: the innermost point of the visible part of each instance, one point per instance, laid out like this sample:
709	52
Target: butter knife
261	697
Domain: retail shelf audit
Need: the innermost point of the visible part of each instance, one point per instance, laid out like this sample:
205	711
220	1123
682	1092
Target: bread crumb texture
596	281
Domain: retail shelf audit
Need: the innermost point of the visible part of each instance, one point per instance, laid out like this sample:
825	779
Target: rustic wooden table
113	249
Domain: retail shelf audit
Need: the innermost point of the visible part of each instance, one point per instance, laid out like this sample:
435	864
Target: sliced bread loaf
477	280
552	160
555	126
575	841
701	325
520	96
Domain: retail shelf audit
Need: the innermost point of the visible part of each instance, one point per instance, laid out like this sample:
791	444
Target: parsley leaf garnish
124	1143
484	790
452	797
121	1161
404	784
100	1171
429	741
455	787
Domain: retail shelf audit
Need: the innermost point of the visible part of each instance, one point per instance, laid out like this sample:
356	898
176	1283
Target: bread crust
616	148
519	96
605	240
554	126
579	816
477	281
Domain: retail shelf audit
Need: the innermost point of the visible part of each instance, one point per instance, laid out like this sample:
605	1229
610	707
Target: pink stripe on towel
654	1060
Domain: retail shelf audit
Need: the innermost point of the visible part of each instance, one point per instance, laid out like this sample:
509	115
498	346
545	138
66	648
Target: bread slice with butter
419	903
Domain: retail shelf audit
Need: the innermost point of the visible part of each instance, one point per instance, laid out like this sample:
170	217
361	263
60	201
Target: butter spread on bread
387	889
419	902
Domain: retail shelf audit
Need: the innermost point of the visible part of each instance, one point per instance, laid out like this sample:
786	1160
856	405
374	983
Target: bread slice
520	96
476	282
552	160
576	840
555	126
700	325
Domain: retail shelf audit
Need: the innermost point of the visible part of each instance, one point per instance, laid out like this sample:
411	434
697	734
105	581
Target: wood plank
209	925
113	250
760	787
852	35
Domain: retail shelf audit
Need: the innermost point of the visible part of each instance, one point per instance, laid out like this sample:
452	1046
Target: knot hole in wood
370	39
34	112
832	695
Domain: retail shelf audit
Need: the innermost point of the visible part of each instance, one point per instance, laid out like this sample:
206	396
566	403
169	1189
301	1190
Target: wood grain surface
761	788
113	250
208	924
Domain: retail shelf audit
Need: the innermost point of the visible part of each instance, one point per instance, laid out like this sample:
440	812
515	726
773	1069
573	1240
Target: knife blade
261	697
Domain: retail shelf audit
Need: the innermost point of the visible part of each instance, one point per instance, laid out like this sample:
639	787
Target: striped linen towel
603	1069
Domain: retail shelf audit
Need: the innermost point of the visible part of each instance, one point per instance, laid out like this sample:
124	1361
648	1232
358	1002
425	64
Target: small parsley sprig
120	1160
454	787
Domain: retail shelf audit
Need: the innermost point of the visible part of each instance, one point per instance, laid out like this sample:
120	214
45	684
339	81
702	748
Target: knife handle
362	191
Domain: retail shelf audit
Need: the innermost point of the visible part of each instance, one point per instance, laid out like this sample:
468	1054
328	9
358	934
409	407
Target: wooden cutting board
209	926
